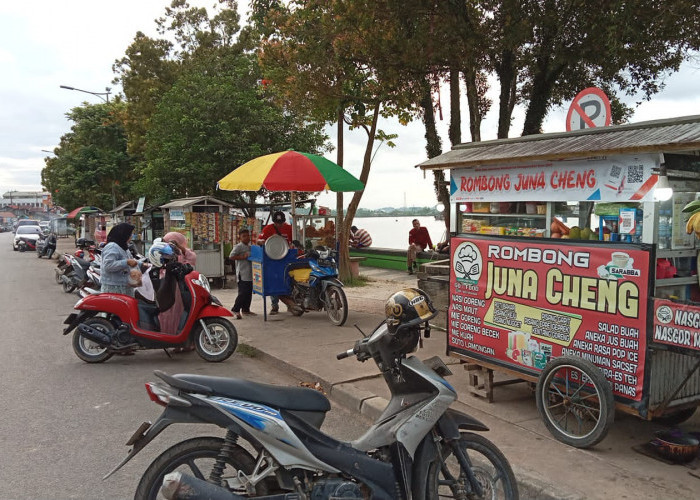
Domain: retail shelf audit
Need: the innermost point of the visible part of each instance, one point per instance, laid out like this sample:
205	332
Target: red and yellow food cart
567	271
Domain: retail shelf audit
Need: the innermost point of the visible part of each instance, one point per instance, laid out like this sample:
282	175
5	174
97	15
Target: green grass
358	281
247	351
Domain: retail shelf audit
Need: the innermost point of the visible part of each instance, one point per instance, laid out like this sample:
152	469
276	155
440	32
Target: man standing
279	226
244	272
359	238
418	240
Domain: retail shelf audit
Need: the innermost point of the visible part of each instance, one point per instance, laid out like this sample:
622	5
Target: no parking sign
589	109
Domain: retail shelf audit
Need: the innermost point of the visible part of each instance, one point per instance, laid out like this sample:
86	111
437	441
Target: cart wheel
676	417
575	401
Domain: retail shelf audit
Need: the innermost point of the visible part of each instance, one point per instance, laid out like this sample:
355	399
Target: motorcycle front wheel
219	343
196	457
336	304
490	467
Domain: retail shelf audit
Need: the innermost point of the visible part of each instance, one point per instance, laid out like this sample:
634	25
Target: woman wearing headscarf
186	256
171	317
116	262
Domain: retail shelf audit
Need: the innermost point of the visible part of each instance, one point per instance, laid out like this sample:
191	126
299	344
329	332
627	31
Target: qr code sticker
635	174
615	172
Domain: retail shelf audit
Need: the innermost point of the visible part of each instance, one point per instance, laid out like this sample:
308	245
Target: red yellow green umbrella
290	171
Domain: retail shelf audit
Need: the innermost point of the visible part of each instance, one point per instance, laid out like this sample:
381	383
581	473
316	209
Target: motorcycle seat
288	398
83	263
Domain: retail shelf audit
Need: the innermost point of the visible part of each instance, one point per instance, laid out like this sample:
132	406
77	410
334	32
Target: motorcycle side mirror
360	330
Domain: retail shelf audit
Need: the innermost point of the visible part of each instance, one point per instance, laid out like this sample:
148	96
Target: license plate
140	432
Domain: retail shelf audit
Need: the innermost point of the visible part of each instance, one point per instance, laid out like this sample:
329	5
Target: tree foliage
217	117
91	165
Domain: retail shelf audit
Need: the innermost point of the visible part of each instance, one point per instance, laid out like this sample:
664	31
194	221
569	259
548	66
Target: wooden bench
355	265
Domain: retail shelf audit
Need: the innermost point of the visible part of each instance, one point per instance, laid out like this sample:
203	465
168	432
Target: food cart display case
205	222
315	230
568	272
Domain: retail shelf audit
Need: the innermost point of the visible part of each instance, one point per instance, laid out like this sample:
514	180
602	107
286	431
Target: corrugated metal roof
658	136
186	202
126	204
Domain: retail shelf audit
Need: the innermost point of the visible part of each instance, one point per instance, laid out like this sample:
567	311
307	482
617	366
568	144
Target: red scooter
109	323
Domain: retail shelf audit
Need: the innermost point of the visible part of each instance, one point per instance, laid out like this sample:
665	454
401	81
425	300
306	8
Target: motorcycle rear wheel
195	457
336	304
222	342
489	466
68	286
86	349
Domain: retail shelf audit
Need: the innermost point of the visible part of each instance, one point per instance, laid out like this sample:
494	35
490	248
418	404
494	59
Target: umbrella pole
294	216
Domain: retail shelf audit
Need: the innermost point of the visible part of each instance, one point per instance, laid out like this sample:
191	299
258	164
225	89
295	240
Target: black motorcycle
46	246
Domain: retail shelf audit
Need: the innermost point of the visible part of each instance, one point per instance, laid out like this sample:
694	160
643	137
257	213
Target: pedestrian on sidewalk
418	240
244	273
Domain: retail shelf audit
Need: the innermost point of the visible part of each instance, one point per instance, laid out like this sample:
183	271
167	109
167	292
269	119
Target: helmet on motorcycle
161	253
408	308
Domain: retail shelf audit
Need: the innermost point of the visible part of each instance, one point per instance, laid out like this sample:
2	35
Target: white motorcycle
419	448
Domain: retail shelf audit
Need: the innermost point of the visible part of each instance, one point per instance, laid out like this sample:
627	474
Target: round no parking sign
590	109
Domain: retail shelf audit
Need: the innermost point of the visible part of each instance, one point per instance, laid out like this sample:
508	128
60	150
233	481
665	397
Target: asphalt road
64	422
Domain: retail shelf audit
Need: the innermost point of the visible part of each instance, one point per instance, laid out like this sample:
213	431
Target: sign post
589	109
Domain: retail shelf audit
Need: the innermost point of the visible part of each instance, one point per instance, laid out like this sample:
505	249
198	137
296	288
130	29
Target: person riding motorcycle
168	283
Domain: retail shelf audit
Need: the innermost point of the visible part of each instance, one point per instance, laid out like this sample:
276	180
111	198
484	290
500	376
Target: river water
392	232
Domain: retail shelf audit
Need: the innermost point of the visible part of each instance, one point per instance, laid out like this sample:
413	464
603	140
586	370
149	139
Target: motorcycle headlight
204	281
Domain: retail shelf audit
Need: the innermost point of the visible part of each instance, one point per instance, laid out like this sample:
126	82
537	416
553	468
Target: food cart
567	272
206	223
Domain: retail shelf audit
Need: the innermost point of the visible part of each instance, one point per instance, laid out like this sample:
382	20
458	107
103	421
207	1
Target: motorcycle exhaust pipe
179	486
90	333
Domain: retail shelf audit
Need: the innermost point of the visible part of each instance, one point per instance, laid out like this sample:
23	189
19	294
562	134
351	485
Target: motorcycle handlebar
345	354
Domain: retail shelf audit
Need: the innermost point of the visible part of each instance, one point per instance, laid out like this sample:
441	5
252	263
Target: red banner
677	324
521	303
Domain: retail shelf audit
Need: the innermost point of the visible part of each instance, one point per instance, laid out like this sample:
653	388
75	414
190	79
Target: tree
321	58
91	165
217	117
545	51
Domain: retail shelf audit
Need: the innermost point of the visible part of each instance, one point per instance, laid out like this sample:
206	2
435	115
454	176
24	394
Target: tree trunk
433	145
507	77
455	111
340	228
473	104
541	92
344	229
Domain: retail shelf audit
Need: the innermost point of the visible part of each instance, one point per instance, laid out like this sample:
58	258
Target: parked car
26	222
26	233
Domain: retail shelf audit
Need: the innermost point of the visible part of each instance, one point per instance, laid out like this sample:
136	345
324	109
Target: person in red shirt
279	226
418	240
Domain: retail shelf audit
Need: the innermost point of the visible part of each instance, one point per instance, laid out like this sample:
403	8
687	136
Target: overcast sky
48	43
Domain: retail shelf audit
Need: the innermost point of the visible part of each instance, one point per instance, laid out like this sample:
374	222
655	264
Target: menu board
677	325
521	303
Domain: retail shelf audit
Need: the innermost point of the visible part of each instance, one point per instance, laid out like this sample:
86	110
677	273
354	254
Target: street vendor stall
568	271
206	223
293	172
126	212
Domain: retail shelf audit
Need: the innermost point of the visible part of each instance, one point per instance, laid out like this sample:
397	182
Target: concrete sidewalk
307	346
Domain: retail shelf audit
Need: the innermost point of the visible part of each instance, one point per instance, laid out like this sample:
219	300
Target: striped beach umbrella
290	171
